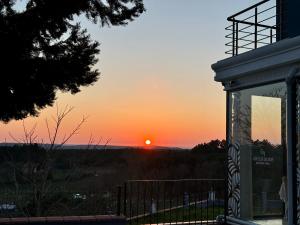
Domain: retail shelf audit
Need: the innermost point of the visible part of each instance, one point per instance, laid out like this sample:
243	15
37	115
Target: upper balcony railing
252	28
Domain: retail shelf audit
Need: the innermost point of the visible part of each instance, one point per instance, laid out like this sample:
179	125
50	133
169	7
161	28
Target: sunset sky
156	82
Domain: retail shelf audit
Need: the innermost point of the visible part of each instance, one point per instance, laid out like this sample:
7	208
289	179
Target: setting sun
148	142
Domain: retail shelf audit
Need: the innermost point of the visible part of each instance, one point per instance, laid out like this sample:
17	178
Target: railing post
255	31
271	35
237	39
137	201
119	200
233	38
125	199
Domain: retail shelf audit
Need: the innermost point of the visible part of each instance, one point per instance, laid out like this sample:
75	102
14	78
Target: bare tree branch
73	132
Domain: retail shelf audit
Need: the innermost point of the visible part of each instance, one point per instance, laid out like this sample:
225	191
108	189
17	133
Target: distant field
30	171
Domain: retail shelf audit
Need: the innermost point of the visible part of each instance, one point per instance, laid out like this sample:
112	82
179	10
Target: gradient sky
156	81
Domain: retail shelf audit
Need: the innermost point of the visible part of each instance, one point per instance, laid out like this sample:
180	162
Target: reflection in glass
258	127
266	110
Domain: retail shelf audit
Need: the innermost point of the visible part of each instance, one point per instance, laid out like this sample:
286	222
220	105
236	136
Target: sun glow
148	142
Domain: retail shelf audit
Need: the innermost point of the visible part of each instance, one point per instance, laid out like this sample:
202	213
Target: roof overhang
267	64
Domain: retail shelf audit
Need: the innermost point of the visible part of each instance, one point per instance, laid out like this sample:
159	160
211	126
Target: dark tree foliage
43	50
212	146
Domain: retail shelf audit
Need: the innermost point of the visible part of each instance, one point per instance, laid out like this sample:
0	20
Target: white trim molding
267	64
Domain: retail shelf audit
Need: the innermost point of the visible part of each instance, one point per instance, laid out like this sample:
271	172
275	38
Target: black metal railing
252	27
191	201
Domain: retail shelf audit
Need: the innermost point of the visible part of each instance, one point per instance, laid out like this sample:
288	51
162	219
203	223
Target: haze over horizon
156	82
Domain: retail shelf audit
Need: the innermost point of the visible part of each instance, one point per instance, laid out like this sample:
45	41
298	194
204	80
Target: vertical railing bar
207	195
130	201
213	199
164	201
170	201
271	36
195	200
201	200
183	202
255	31
125	199
177	202
225	194
145	197
233	38
237	39
151	201
119	189
189	203
138	202
157	202
219	199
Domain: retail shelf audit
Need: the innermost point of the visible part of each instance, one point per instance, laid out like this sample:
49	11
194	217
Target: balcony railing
192	201
252	28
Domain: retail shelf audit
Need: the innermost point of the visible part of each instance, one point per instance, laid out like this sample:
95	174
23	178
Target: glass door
258	128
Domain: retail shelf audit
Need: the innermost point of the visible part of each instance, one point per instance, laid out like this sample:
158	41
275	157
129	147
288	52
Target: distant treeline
36	179
112	167
42	182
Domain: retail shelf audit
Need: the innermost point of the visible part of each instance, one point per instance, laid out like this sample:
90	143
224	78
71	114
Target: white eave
264	64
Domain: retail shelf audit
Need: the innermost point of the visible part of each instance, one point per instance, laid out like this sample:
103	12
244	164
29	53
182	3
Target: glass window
266	110
258	132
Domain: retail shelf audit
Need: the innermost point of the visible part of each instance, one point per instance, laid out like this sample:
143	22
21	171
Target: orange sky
156	80
265	111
